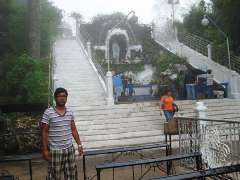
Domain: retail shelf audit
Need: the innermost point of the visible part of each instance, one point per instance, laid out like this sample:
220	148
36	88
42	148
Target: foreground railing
217	140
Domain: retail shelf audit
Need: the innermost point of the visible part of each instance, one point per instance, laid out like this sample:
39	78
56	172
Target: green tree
22	76
51	17
13	31
34	27
224	13
26	79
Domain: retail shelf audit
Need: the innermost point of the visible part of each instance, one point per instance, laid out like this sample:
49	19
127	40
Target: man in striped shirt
58	127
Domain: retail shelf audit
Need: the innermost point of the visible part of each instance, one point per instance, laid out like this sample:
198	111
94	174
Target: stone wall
20	134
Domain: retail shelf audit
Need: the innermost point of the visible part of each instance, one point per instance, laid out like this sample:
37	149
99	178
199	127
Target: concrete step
117	132
121	136
155	123
123	142
118	120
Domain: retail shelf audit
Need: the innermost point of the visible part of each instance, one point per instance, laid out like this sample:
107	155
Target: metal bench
203	173
121	150
18	158
6	178
132	163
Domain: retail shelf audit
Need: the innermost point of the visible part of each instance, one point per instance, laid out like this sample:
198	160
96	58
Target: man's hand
80	150
45	155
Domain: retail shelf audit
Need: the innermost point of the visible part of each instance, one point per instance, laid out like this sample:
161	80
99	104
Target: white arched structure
111	33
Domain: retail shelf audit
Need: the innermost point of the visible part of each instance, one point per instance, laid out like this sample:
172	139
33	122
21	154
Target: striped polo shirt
59	133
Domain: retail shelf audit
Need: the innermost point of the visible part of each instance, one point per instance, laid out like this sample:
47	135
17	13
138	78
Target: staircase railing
194	42
217	140
219	53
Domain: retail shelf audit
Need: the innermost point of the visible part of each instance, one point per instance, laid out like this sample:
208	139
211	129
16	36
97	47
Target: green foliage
165	62
227	16
192	22
25	79
121	68
224	13
99	55
14	26
101	23
13	31
50	19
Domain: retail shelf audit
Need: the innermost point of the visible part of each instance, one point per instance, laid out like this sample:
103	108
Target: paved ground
20	170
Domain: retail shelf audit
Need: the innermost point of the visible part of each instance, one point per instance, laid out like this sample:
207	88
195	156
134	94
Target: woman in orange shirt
167	105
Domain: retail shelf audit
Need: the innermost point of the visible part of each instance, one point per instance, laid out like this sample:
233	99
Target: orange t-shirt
167	102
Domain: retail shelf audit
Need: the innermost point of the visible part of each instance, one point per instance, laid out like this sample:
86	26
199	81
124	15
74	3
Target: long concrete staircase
74	72
102	126
139	123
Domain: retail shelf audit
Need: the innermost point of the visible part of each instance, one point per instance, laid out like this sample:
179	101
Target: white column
201	110
234	82
209	47
89	50
181	50
176	33
204	145
110	100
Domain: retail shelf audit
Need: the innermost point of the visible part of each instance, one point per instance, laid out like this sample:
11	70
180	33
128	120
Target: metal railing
217	140
194	42
219	54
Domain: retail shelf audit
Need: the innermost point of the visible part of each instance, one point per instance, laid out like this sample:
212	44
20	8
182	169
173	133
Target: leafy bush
25	79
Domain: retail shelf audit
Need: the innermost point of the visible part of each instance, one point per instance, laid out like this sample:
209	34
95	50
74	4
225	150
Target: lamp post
205	22
173	3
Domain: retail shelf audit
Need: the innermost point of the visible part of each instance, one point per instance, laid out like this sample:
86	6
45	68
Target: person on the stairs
209	82
58	128
130	87
167	105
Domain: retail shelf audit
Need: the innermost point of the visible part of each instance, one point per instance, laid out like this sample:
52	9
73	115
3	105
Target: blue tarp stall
142	90
117	81
117	85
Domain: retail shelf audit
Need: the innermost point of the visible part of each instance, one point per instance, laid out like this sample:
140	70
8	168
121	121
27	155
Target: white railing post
204	145
89	50
110	100
201	110
234	82
209	47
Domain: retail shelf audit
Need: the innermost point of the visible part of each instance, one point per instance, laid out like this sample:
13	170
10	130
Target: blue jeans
210	91
190	88
168	114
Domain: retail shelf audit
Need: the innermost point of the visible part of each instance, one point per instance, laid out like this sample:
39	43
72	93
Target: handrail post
89	50
209	47
110	100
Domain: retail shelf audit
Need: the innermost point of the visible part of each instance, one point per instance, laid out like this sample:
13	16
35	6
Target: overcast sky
146	10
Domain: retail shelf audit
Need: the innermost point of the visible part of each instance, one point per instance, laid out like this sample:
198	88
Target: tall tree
34	27
227	16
